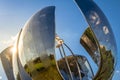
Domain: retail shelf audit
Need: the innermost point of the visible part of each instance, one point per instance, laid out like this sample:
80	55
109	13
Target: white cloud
10	41
95	19
7	42
105	29
117	71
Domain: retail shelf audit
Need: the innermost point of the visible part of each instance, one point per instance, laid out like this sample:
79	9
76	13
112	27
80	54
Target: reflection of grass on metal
40	71
107	63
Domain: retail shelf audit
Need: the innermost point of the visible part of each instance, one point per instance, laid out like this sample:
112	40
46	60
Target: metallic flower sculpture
35	57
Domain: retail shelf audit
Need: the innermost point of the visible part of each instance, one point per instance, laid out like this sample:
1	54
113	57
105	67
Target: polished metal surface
6	59
35	58
89	43
37	46
16	72
86	72
72	67
104	38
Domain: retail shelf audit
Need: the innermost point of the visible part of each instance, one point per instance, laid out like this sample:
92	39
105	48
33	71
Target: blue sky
70	24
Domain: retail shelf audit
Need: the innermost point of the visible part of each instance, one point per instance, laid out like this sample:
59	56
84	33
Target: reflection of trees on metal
36	47
89	43
103	36
34	58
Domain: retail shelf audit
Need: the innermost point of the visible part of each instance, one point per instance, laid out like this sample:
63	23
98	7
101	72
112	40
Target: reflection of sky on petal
104	34
95	18
105	29
34	39
87	65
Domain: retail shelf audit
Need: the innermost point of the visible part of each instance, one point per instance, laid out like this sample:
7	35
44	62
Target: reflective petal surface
104	37
36	46
89	43
15	59
6	59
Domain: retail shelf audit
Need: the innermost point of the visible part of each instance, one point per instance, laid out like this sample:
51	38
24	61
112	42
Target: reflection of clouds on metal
35	56
105	29
103	36
94	18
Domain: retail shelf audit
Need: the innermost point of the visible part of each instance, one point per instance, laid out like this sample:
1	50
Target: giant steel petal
103	35
36	46
6	59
